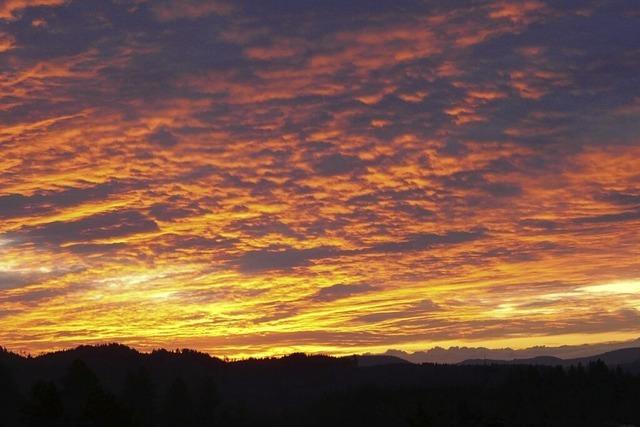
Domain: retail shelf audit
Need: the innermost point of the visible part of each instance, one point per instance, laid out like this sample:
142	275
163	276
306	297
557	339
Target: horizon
452	353
254	178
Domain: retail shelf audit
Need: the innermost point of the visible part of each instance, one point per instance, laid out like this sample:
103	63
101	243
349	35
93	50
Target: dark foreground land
116	386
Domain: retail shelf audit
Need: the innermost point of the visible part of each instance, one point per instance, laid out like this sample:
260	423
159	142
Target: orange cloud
517	12
7	42
10	8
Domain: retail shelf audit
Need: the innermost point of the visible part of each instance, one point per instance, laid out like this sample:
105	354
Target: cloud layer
261	177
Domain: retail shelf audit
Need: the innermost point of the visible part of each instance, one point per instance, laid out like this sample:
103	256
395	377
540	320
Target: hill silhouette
367	360
114	385
458	354
628	359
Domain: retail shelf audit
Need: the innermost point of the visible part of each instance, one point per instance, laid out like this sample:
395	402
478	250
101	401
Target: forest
113	385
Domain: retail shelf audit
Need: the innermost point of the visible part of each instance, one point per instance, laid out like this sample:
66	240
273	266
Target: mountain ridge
459	354
626	358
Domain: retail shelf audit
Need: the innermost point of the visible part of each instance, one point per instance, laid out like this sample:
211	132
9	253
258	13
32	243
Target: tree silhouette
139	397
310	391
44	406
88	404
10	398
420	418
178	406
207	403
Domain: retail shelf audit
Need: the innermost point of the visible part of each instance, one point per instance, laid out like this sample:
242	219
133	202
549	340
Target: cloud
415	211
518	13
338	164
262	226
276	312
539	224
163	137
44	202
280	49
280	259
7	42
169	10
188	244
633	215
169	211
476	180
95	248
106	225
419	310
22	277
620	198
339	291
31	297
9	9
422	241
10	279
286	258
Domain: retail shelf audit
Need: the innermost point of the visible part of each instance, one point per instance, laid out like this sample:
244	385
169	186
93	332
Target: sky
252	178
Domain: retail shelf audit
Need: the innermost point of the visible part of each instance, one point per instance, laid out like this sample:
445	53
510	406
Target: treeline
79	399
306	391
592	395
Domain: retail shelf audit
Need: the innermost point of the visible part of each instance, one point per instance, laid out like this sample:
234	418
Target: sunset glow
255	178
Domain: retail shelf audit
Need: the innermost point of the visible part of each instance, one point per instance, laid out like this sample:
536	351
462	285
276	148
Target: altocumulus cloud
281	258
339	291
106	225
44	202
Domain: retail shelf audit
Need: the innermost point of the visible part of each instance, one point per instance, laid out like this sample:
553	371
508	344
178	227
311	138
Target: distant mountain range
627	358
454	355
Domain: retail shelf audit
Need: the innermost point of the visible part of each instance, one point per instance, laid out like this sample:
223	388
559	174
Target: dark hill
623	357
367	360
627	359
541	360
113	385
